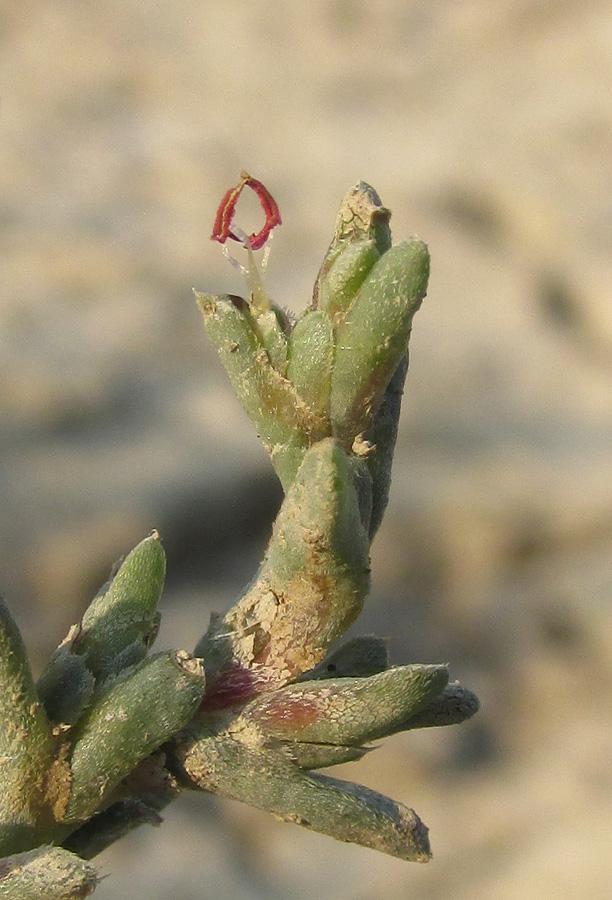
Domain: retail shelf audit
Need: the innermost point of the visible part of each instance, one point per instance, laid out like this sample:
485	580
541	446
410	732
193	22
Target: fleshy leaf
346	711
27	746
136	713
373	336
263	779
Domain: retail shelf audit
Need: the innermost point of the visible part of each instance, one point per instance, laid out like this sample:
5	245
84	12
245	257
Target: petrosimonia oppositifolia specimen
111	732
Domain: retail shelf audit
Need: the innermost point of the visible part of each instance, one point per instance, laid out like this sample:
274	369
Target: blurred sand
487	128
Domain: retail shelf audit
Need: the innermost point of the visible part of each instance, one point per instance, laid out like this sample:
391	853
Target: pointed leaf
283	421
133	716
349	711
340	284
27	746
263	779
311	356
373	336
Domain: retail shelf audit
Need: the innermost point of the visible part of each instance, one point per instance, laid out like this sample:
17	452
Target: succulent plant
112	733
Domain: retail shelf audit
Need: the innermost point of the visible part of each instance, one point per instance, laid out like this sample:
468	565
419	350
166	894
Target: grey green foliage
339	285
154	699
373	336
111	734
118	627
311	359
346	711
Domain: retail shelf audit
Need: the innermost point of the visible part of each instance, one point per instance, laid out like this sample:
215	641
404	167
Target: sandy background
487	128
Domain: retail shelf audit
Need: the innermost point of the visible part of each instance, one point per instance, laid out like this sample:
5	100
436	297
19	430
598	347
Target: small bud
124	614
357	658
66	686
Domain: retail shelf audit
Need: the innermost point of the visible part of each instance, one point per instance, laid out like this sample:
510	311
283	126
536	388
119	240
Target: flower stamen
223	228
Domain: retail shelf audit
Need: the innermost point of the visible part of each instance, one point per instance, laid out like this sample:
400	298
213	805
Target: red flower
223	220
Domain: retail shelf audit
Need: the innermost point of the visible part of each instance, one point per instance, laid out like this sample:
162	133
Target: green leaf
115	633
454	705
266	780
382	435
283	420
346	711
339	286
27	746
130	719
311	357
373	337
